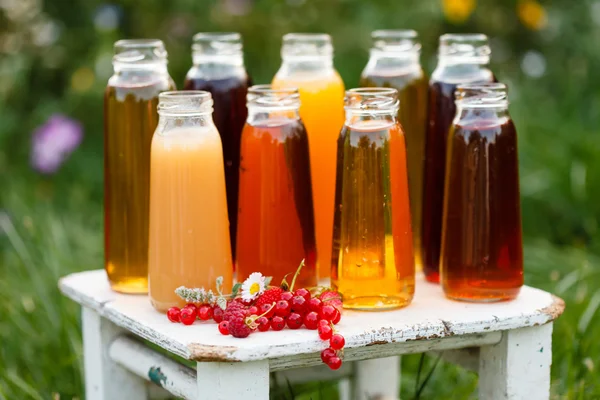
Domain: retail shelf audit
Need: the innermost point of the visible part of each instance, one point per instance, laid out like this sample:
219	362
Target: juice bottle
219	69
394	62
275	216
130	118
373	263
482	251
308	66
463	58
189	236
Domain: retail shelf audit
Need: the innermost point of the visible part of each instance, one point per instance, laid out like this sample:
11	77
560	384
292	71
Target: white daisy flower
253	286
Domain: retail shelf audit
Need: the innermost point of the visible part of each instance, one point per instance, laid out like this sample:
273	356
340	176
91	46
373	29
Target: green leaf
236	288
268	280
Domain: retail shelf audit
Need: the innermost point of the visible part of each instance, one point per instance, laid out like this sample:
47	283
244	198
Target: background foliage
55	57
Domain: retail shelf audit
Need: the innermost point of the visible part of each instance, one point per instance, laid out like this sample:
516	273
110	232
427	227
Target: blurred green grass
52	226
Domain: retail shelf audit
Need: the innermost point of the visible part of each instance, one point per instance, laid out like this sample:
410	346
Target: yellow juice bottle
308	65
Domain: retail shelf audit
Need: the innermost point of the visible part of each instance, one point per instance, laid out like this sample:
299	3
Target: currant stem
296	275
251	320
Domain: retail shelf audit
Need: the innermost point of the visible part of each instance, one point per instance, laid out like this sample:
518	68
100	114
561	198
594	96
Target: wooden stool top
429	322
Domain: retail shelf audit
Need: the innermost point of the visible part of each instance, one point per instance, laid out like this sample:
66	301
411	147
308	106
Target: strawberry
269	296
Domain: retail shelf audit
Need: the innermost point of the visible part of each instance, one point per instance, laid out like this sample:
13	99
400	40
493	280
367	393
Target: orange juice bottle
308	66
372	265
276	228
189	227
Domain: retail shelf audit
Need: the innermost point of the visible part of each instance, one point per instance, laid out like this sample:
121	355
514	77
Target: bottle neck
262	115
354	117
202	59
172	122
380	60
313	64
491	114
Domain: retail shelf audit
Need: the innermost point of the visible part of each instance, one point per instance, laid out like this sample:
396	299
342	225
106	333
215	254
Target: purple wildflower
53	142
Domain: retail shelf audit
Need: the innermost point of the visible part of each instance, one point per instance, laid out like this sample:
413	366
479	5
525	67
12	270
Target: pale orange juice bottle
189	227
308	65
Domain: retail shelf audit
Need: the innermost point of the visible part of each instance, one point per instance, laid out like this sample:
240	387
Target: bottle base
376	303
130	286
483	296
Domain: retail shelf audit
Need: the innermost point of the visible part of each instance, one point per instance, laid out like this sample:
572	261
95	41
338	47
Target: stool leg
104	380
377	378
226	381
518	367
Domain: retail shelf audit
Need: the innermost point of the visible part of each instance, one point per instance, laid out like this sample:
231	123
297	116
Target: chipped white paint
227	365
518	367
105	380
154	367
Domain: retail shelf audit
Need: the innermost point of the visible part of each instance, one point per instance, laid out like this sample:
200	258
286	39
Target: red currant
277	323
187	315
337	318
266	308
337	341
294	321
263	324
205	313
303	292
325	332
327	312
253	310
334	363
314	304
327	354
324	322
173	314
218	314
282	308
298	305
224	327
287	296
192	305
311	320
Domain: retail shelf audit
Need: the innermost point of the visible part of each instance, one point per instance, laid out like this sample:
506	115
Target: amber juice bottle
219	69
276	226
130	118
463	58
372	259
482	254
394	62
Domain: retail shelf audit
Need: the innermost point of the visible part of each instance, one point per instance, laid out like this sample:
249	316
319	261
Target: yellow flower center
255	288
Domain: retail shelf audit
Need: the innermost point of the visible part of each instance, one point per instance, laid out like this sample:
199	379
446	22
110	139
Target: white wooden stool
509	343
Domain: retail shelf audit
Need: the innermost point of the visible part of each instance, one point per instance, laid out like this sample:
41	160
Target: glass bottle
189	236
219	69
394	62
462	58
275	215
482	251
372	263
130	118
308	66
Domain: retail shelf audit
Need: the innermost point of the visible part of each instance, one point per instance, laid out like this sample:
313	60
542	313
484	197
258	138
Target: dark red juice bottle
482	253
219	69
463	58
